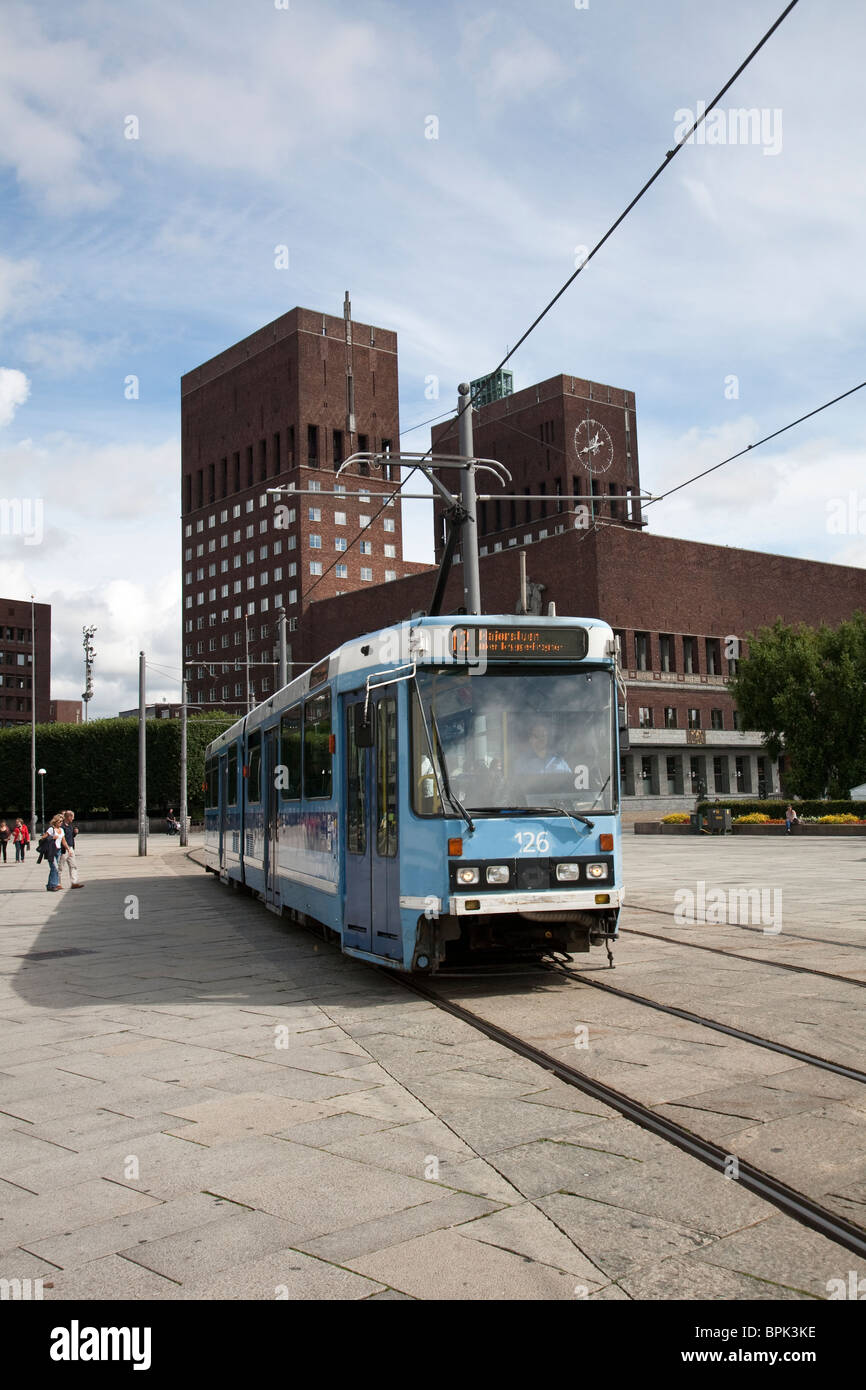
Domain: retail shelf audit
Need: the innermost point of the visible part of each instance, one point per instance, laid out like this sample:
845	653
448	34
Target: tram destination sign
522	643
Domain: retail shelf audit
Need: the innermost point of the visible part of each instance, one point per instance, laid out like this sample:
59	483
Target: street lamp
42	786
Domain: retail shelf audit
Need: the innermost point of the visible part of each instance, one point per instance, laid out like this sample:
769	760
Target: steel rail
764	1185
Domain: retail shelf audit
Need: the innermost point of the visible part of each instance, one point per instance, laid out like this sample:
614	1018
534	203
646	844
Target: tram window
290	754
386	778
356	787
425	791
317	746
210	777
254	775
232	777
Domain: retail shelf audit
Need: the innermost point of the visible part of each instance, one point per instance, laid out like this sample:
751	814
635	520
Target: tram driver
540	757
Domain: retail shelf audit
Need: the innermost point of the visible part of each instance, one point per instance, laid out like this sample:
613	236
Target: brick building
283	408
569	442
17	651
682	609
65	712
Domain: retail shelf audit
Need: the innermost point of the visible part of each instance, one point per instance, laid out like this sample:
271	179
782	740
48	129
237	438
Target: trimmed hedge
776	809
93	767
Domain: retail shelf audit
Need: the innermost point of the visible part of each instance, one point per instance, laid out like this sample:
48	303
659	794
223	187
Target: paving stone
782	1251
560	1165
619	1241
690	1279
490	1125
203	1251
481	1178
287	1274
29	1218
528	1231
408	1148
111	1278
439	1214
446	1266
232	1117
330	1129
122	1232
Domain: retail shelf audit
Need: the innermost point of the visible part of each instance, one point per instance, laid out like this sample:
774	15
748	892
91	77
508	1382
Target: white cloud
14	390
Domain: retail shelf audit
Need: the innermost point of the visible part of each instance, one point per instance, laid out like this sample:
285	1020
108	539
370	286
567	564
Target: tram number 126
530	842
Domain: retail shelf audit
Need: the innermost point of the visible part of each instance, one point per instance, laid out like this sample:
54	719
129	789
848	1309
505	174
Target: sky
444	163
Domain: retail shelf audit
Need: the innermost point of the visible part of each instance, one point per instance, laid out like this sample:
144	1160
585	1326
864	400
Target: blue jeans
54	875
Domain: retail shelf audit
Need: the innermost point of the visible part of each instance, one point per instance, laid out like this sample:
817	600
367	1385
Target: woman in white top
55	844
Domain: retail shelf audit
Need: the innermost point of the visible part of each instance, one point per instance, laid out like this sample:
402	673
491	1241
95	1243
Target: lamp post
42	789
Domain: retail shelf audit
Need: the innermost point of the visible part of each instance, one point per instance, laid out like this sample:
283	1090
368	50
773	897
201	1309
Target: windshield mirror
512	738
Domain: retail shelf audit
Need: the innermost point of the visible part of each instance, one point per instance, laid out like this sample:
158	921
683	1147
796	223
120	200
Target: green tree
805	689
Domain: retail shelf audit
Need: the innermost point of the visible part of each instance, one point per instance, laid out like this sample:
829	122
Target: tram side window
356	786
232	777
254	774
386	777
211	786
317	746
425	791
290	754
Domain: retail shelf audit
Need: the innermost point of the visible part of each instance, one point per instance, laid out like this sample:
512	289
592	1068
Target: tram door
372	920
222	801
272	821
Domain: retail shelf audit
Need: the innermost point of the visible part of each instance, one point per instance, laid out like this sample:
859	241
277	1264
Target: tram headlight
568	873
497	873
467	875
596	870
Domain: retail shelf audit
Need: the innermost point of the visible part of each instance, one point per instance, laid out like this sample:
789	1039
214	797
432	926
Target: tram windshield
510	739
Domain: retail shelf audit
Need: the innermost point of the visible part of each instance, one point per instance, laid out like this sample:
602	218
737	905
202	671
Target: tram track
759	931
809	1058
737	955
793	1203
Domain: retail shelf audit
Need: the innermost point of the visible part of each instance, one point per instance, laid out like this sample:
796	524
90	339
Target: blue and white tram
444	788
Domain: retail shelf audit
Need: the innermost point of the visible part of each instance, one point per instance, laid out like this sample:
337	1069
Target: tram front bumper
487	904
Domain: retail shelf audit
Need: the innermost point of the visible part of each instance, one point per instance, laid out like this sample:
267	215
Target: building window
390	552
339	518
721	776
389	575
690	656
366	547
313	446
641	651
315	542
315	567
293	596
364	520
694	719
389	523
644	717
735	716
714	656
278	574
716	719
340	543
315	513
670	717
666	652
366	575
342	571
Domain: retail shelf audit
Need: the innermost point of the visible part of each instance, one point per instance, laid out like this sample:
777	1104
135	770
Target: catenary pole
184	838
469	542
33	718
142	756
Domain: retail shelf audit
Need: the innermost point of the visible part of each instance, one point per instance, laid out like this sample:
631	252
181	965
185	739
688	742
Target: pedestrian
21	836
790	820
5	835
68	857
52	844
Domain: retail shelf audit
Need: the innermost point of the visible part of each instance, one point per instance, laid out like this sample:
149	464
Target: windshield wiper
446	785
532	811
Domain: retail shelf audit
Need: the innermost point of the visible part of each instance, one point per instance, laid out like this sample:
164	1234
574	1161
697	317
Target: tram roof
389	648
